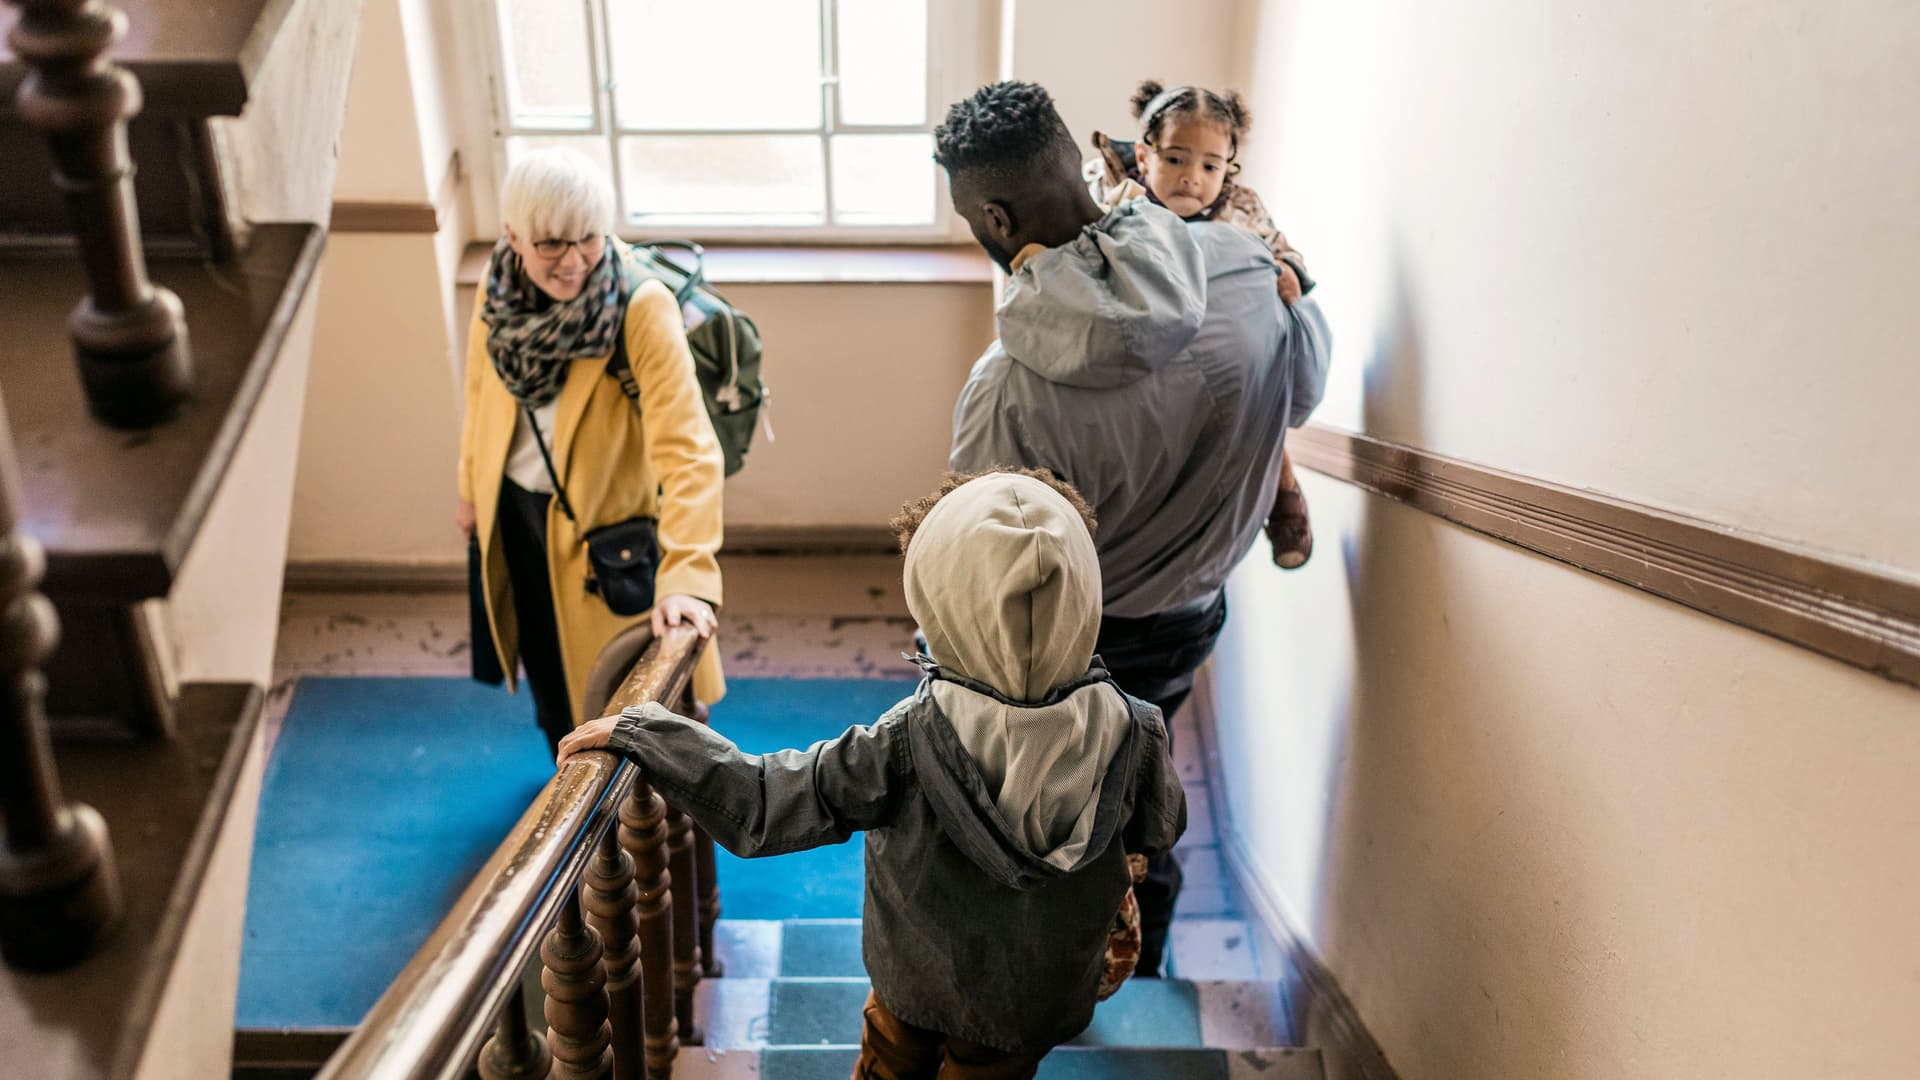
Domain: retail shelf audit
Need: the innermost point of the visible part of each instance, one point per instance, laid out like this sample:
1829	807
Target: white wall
1542	825
1665	250
1090	56
382	154
379	444
1536	823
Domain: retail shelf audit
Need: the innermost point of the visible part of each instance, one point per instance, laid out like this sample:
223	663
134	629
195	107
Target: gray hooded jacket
1151	363
1000	800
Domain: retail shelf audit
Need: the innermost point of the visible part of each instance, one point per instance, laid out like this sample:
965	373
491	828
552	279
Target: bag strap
621	368
558	488
696	278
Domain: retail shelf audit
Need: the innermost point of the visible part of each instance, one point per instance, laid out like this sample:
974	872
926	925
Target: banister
433	1018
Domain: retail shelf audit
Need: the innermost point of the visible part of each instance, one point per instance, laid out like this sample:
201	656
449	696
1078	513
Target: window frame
954	69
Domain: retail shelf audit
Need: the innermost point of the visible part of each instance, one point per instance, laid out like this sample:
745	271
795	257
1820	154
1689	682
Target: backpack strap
621	368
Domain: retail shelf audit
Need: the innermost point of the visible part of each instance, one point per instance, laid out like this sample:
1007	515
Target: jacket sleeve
680	444
986	434
1309	344
768	804
1159	802
477	364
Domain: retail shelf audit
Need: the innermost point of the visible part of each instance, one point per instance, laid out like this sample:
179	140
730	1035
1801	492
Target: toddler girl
1184	160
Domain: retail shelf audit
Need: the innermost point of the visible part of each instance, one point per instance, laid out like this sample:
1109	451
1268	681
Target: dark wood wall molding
403	217
1857	612
384	217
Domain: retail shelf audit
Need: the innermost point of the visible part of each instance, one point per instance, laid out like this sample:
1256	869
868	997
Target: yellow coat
615	466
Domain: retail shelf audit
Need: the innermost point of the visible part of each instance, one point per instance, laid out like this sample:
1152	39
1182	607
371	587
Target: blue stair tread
1197	1063
1145	1013
821	950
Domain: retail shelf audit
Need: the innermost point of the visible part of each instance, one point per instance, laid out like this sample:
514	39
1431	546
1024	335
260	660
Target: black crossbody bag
624	556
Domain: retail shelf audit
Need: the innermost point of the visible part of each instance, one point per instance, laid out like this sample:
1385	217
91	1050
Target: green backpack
724	342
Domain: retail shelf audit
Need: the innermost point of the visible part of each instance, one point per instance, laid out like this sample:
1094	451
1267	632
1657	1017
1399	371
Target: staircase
788	1008
146	451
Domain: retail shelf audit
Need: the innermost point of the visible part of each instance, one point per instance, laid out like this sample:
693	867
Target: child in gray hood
1000	800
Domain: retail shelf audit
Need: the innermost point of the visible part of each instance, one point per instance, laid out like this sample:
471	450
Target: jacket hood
1121	299
1004	580
1027	791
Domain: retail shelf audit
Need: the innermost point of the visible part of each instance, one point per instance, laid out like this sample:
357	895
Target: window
766	119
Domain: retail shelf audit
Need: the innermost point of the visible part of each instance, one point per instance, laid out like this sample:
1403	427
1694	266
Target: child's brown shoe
1289	530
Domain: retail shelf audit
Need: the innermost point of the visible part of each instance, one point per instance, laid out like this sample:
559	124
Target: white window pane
687	65
883	61
724	179
549	74
883	179
594	146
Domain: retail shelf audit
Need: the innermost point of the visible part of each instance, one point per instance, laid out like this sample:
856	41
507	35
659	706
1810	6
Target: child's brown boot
1287	525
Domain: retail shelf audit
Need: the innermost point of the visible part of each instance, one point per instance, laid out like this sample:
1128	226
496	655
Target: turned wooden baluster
709	874
129	335
608	893
515	1052
59	891
686	922
643	835
576	986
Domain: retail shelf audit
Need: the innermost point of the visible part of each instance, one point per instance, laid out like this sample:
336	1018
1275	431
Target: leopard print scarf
530	337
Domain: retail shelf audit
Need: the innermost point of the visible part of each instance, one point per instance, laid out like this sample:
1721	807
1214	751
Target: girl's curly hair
1154	105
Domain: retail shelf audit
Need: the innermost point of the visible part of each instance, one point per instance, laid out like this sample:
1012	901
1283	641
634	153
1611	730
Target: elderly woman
541	407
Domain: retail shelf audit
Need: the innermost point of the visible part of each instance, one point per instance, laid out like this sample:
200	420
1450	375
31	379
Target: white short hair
556	193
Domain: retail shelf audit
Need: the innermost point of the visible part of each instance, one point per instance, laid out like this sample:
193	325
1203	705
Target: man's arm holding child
1245	209
759	804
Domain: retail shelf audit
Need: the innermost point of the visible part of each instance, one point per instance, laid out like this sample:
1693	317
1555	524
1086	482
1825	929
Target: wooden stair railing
59	886
203	209
129	335
588	864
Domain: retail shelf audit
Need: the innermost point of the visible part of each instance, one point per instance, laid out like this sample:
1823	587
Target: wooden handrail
436	1014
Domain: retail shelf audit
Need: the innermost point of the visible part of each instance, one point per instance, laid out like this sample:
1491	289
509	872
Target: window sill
793	264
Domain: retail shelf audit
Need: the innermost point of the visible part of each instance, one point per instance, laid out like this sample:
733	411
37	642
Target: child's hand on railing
592	735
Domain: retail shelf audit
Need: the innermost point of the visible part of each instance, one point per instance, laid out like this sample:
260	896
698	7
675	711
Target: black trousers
1153	658
523	537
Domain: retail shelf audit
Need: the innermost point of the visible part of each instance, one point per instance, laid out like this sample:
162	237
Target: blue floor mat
385	795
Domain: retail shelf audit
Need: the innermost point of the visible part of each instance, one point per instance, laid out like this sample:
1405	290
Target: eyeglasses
554	247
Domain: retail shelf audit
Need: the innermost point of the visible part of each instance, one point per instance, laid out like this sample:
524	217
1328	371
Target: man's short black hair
1004	133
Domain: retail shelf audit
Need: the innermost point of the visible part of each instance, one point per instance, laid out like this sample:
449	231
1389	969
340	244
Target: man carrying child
1150	363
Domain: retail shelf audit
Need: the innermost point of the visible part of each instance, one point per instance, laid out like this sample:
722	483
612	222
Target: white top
524	464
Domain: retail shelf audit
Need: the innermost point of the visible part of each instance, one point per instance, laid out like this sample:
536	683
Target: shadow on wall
1405	857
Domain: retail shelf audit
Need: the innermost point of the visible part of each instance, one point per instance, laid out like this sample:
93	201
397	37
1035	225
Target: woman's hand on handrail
671	611
592	735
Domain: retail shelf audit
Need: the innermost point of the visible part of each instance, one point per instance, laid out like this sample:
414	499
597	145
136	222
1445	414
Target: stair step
1067	1063
1201	948
748	1013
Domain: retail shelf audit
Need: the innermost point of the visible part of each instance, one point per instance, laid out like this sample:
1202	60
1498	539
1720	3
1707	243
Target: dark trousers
523	537
1153	658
